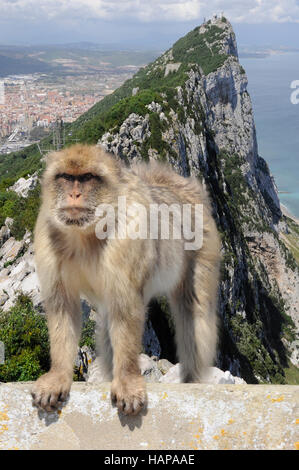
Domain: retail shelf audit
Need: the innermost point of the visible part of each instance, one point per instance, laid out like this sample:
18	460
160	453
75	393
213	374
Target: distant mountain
63	58
24	65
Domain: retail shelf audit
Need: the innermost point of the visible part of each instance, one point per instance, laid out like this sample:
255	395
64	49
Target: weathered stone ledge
178	416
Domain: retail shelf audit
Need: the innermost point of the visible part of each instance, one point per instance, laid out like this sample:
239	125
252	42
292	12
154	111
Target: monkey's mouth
79	216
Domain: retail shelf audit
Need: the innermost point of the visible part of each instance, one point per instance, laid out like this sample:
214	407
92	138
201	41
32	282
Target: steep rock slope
191	107
202	122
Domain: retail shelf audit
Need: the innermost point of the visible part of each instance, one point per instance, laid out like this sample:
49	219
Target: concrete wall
179	416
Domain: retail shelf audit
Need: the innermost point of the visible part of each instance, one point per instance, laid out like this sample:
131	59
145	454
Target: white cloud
250	11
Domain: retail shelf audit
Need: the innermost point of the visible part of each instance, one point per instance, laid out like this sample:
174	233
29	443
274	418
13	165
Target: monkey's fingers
48	401
129	404
49	394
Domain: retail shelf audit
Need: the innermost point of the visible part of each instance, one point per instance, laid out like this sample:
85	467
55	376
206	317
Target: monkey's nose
75	195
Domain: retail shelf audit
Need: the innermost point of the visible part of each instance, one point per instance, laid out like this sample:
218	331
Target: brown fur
120	276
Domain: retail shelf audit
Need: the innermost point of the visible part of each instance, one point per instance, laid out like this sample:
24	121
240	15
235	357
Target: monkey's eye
65	176
85	177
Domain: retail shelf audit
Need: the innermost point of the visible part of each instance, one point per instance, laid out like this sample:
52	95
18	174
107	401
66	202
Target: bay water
277	120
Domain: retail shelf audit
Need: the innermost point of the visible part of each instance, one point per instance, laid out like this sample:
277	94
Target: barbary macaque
82	248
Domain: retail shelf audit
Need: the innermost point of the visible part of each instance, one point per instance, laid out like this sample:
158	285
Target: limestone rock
172	376
149	368
216	376
132	131
4	234
188	417
95	372
172	67
11	249
23	186
164	365
154	107
213	375
3	298
8	222
19	275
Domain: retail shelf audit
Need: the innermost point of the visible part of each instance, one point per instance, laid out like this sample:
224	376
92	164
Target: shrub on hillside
24	333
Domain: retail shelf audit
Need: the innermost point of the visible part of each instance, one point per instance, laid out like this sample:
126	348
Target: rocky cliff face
191	108
207	129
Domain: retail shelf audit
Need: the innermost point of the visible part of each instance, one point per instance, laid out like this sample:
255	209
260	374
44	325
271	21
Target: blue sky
144	23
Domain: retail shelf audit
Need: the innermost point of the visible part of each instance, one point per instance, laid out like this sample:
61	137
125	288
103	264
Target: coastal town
31	104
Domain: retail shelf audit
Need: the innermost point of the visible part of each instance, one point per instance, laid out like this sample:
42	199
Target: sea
277	119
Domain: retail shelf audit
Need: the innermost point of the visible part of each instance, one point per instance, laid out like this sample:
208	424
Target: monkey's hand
51	390
129	394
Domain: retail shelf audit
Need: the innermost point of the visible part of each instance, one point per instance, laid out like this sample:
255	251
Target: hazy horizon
248	35
154	25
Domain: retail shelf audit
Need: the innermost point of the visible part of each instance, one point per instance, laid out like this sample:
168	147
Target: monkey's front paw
129	394
51	390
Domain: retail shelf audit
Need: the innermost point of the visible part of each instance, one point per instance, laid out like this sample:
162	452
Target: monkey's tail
195	310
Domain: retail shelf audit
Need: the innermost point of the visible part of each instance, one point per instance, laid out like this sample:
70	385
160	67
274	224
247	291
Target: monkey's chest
85	276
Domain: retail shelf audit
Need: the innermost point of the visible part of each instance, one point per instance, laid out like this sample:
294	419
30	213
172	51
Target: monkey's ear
102	152
109	163
50	157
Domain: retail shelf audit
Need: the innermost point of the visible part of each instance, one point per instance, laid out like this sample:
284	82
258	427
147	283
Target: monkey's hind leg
194	306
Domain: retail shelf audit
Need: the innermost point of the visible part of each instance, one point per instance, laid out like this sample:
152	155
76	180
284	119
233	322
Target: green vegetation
291	240
155	141
88	334
257	322
25	336
20	164
111	119
257	316
232	192
201	49
23	210
239	196
288	252
250	345
234	178
24	332
291	374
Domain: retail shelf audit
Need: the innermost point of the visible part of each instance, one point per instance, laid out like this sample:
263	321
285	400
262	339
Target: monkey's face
76	181
77	198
